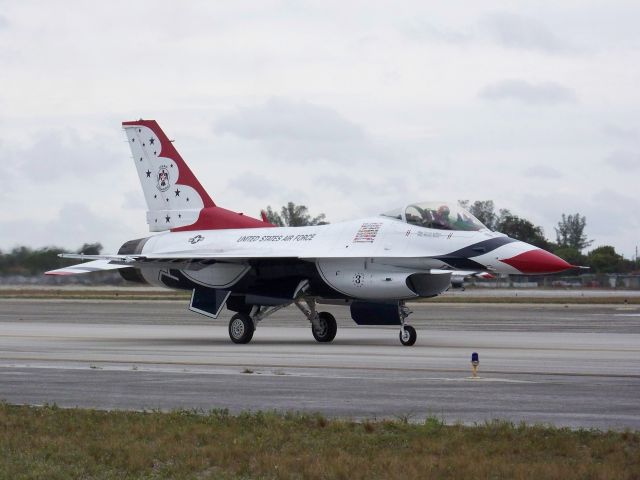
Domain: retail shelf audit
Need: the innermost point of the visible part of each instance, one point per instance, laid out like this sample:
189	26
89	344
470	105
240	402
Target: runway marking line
338	343
136	369
325	367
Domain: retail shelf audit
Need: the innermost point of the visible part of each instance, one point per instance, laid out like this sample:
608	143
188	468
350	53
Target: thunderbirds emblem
163	178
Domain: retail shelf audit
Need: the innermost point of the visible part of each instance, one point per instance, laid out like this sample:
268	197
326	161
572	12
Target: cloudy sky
351	108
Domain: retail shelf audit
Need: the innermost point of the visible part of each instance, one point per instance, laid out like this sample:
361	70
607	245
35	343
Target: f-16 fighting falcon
373	265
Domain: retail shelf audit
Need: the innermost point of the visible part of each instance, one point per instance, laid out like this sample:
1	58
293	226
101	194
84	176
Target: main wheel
408	336
241	328
326	328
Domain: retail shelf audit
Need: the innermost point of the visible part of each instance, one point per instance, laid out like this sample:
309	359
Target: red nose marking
538	261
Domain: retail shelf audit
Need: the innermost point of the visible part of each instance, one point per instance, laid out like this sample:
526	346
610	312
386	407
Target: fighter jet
374	265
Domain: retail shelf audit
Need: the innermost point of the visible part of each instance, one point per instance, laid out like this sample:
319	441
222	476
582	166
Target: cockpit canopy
437	215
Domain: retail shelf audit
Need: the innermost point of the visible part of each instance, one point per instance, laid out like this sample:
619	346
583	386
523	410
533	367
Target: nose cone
537	261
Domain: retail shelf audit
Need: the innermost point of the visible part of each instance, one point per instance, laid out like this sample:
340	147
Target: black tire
241	328
409	337
327	328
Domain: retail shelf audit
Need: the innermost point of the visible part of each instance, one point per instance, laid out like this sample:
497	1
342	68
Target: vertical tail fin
175	198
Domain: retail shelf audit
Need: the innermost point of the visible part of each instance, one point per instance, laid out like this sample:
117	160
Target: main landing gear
323	324
241	328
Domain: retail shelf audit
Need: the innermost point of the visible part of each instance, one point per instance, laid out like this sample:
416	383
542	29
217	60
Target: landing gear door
208	301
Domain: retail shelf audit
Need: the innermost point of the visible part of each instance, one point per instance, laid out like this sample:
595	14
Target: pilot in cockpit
427	219
441	218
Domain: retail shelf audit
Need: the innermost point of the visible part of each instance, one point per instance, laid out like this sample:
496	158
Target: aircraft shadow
212	341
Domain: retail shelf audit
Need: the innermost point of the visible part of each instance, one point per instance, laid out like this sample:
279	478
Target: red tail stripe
216	218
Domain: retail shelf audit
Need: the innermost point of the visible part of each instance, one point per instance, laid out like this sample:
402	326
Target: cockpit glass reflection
442	216
438	215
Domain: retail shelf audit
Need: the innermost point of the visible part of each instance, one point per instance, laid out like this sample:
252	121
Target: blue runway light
475	361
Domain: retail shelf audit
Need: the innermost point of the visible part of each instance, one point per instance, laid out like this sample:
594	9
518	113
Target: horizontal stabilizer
87	267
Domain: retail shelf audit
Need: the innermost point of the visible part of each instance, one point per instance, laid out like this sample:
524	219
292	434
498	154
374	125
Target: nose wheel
408	335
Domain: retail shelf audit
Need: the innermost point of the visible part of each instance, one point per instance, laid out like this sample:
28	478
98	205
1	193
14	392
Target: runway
576	366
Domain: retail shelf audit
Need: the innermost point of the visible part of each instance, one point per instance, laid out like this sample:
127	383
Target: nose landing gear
408	334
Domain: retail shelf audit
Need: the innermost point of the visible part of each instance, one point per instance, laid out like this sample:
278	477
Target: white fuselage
368	258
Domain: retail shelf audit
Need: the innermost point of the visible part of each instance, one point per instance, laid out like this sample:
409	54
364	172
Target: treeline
29	262
292	215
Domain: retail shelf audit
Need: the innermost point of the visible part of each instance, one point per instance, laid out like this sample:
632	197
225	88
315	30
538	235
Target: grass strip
54	443
90	294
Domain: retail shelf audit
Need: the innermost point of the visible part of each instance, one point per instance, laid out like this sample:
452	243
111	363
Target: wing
178	260
94	266
190	260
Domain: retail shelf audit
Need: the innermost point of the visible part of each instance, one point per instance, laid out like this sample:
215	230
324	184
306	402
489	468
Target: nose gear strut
408	334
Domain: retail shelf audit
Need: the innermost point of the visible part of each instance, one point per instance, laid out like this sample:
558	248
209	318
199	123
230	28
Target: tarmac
566	365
